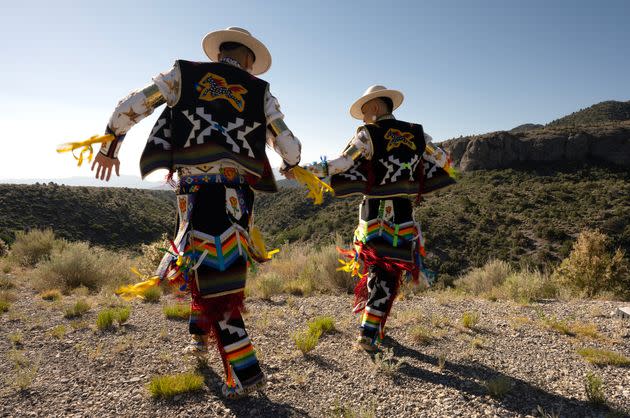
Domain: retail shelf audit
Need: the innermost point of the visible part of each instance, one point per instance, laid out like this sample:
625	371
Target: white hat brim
212	41
395	96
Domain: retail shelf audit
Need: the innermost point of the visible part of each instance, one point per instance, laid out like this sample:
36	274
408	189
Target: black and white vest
220	115
396	167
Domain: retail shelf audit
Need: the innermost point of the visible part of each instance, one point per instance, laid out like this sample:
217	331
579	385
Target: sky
465	67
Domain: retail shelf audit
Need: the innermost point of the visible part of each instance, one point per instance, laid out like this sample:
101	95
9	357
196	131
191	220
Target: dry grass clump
470	319
78	264
421	335
152	294
4	306
594	387
591	270
499	386
601	357
51	295
483	279
4	248
167	386
179	311
6	298
386	362
106	317
77	310
29	248
24	370
6	283
306	340
58	332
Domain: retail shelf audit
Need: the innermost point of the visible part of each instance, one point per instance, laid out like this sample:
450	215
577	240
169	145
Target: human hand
105	164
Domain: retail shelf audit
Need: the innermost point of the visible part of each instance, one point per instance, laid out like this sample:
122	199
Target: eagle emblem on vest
395	138
214	87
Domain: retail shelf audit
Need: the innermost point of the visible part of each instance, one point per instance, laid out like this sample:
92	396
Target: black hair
389	104
231	46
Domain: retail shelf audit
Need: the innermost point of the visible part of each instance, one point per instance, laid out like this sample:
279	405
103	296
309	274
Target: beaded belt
190	184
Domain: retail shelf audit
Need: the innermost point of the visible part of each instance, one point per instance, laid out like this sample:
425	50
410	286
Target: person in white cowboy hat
389	162
212	134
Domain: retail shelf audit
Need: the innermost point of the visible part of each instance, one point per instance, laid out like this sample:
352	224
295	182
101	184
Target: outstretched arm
131	110
359	146
279	137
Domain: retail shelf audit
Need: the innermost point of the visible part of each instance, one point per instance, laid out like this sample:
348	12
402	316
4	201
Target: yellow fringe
259	244
316	187
137	290
86	147
351	267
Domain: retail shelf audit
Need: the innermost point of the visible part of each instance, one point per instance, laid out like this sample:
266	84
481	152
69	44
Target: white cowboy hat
212	41
372	93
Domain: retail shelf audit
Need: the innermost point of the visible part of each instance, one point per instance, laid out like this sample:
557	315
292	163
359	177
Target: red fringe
393	267
214	309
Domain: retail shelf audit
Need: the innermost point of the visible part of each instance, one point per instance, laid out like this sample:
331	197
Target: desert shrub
78	264
4	248
77	310
594	387
484	279
591	270
269	285
151	255
527	285
179	311
29	248
301	269
167	386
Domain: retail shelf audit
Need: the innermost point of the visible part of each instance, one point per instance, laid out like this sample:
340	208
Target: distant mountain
608	111
599	133
525	128
132	182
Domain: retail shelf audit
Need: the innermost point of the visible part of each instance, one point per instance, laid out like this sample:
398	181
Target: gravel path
90	373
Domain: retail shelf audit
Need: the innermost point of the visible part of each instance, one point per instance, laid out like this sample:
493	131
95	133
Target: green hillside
111	217
608	111
527	216
524	216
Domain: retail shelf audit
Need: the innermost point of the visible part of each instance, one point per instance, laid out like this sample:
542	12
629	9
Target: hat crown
374	88
237	29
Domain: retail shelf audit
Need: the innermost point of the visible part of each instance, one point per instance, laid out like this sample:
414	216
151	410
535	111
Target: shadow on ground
523	398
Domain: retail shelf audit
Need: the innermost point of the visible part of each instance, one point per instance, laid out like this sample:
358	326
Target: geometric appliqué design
395	168
214	87
395	138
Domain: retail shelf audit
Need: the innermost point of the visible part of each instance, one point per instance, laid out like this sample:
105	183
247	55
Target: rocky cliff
607	143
